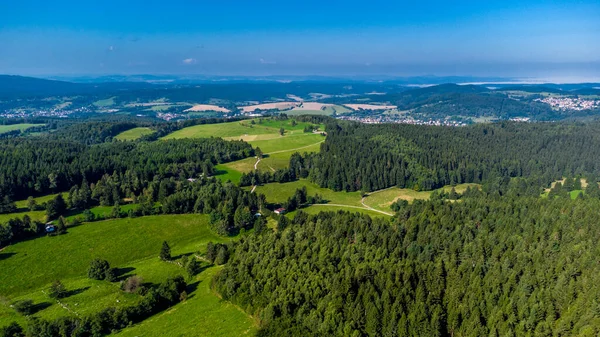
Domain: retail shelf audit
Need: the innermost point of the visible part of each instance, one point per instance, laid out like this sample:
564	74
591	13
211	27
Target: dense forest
372	157
34	166
501	262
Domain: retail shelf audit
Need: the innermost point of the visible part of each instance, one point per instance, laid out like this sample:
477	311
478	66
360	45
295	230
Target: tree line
371	157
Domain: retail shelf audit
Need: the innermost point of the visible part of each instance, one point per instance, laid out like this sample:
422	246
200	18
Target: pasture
133	134
13	127
66	257
203	314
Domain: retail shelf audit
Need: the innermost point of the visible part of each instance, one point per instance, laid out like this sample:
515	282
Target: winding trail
362	201
282	151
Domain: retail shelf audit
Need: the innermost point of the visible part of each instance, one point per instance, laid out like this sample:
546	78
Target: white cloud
189	61
111	48
263	61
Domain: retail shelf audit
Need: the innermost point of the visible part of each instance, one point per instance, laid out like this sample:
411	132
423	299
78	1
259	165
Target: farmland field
133	134
12	127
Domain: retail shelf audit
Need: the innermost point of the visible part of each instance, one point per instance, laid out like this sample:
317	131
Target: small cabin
50	228
280	211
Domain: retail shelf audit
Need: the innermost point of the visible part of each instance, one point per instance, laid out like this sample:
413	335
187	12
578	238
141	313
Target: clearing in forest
133	134
12	127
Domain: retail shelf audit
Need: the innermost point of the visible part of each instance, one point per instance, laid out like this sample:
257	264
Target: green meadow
133	134
131	245
12	127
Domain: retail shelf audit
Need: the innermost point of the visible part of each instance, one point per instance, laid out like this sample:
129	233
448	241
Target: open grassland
203	314
277	193
382	200
105	102
13	127
44	259
225	173
287	142
133	134
248	130
316	209
66	257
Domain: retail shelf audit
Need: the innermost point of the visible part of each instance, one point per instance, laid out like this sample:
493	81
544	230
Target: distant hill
533	89
21	86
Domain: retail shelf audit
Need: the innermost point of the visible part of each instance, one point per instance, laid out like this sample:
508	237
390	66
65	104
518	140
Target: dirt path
362	201
299	148
357	207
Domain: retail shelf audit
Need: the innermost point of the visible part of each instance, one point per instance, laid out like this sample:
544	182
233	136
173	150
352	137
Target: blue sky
482	38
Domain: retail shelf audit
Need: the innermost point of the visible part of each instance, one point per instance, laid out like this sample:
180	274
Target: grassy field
42	260
66	257
12	127
224	172
134	134
239	130
382	200
316	209
276	193
203	314
287	142
105	102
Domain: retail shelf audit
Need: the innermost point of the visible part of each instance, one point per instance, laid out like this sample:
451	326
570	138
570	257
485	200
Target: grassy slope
203	314
134	134
66	257
105	102
23	126
276	192
382	200
263	134
42	260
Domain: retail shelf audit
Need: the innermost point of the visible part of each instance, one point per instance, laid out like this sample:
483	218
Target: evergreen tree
61	225
192	267
55	207
57	290
31	204
165	252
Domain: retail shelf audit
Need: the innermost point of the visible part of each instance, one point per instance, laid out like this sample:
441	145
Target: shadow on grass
4	256
77	291
191	288
123	273
181	255
39	307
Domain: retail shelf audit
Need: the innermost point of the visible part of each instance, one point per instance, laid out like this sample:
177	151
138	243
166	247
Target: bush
98	269
24	307
57	290
132	284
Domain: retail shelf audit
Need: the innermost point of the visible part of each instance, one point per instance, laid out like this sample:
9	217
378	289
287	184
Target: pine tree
61	225
192	267
57	290
165	252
